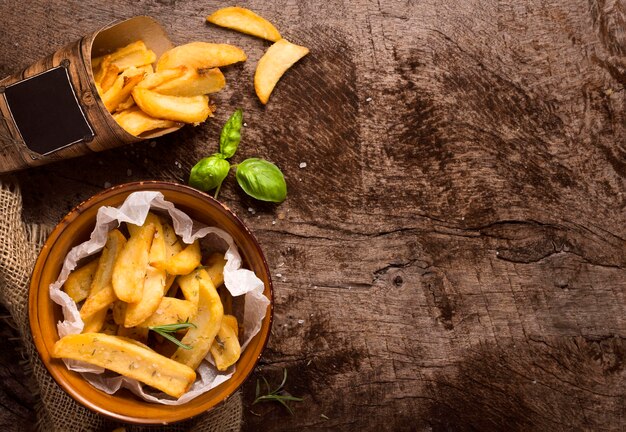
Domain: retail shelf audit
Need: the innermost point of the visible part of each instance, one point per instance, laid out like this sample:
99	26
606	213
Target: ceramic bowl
44	314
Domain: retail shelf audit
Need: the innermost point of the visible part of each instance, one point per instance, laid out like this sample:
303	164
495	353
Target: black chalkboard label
46	111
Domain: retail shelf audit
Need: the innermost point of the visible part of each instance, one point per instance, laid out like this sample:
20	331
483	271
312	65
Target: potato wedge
215	268
161	77
208	322
119	312
128	359
274	63
109	76
101	293
244	21
171	310
200	55
98	301
153	292
134	59
231	321
130	269
95	322
189	285
194	83
172	247
185	261
120	91
185	109
157	250
79	281
225	349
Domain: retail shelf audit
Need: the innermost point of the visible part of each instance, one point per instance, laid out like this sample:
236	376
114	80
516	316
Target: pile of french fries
144	99
149	280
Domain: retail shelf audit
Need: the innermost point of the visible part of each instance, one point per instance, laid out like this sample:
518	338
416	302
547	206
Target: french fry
119	312
226	349
79	281
171	310
215	268
189	285
101	294
208	321
184	261
120	90
274	63
130	269
133	55
172	247
153	288
231	321
193	109
161	77
200	55
194	83
128	359
157	250
244	21
95	322
109	76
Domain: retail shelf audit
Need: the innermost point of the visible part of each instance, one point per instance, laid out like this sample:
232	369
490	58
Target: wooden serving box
52	111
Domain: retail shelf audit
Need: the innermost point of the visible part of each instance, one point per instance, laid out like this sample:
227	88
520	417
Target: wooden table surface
452	257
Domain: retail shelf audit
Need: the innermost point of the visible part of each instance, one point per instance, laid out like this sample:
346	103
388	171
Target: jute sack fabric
19	245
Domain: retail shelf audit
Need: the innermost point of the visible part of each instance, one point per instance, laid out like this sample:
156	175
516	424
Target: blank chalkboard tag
47	113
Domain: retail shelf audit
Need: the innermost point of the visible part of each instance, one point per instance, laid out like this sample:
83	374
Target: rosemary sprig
167	330
279	395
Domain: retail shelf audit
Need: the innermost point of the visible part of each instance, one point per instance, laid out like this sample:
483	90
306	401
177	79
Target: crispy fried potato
215	268
200	55
141	56
120	91
79	281
101	293
128	359
244	21
119	312
161	77
185	261
208	322
226	349
109	76
274	63
231	321
130	269
157	250
194	83
126	105
172	247
95	322
185	109
171	310
189	285
153	292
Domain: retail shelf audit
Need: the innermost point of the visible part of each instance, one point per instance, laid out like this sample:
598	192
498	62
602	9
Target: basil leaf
231	134
262	180
209	173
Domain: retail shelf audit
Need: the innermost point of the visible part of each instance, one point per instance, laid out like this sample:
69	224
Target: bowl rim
42	258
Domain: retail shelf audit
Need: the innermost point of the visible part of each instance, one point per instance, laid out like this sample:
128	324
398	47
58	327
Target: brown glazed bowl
44	314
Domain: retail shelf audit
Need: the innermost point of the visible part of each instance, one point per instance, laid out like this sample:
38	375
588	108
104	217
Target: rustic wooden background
453	255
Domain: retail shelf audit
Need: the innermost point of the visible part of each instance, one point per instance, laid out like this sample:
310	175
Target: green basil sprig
258	178
231	134
262	180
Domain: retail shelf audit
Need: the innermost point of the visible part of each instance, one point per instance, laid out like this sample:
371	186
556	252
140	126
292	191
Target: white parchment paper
238	281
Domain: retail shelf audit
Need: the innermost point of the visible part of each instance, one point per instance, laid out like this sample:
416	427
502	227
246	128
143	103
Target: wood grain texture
453	255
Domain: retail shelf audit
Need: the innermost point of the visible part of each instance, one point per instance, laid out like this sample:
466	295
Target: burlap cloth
19	245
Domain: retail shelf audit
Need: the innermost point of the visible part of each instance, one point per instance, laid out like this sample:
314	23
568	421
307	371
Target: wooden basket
52	111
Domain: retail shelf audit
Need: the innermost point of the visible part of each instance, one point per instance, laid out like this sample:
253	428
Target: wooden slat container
52	111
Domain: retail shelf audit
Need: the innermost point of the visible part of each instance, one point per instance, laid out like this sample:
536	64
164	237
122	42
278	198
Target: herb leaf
262	180
166	331
279	395
209	173
231	134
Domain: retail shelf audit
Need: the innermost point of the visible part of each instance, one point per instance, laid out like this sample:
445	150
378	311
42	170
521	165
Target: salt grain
302	165
300	321
369	99
279	275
